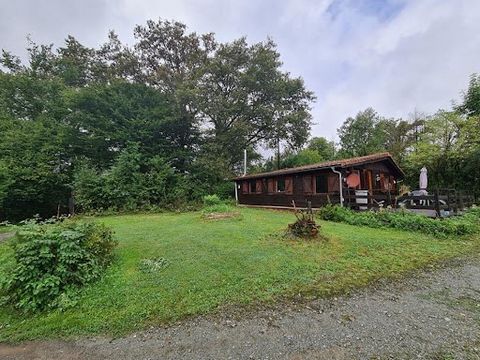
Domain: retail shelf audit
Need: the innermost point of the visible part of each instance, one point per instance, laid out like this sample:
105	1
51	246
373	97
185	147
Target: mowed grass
225	262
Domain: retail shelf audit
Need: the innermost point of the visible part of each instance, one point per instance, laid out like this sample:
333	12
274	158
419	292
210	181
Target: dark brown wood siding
301	187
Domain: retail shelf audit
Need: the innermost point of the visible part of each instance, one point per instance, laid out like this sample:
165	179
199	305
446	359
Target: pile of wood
305	226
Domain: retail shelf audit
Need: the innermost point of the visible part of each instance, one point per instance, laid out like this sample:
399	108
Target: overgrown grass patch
212	264
4	228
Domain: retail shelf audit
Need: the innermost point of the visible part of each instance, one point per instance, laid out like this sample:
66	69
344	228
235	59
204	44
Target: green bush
211	200
132	183
404	220
218	208
52	261
225	190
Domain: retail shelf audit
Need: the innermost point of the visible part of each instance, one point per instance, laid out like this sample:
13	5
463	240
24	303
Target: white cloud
419	59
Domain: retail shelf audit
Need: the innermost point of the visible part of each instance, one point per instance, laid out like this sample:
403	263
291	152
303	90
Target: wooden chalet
360	182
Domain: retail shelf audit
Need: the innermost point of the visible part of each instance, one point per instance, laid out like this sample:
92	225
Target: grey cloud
415	54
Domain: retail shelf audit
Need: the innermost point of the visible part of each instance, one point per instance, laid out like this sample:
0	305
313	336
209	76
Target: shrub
52	261
404	220
132	183
211	200
219	208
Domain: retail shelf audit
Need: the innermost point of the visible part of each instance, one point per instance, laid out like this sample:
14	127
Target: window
321	184
280	185
253	186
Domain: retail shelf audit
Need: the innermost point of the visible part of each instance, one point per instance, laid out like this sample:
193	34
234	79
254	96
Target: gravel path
432	315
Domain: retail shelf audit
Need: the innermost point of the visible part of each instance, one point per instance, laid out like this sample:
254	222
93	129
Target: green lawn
214	263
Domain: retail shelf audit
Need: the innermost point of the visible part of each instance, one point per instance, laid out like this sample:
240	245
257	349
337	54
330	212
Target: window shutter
271	186
245	187
258	186
333	183
288	185
307	184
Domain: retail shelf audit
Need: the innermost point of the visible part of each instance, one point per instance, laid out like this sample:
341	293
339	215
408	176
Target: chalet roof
343	163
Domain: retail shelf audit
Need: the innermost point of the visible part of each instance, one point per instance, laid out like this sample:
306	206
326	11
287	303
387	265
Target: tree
325	148
35	176
471	98
303	157
442	149
104	118
234	89
362	134
172	60
247	100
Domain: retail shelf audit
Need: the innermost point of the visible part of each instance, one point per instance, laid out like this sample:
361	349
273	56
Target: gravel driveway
432	315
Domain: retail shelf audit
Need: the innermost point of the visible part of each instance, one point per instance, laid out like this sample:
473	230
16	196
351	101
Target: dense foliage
133	182
52	261
404	220
165	121
181	104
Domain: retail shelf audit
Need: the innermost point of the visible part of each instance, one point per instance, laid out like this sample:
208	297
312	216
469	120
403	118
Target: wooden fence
441	201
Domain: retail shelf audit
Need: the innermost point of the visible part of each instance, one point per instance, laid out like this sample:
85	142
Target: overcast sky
393	55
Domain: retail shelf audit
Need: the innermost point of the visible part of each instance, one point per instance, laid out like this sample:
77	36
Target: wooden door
297	185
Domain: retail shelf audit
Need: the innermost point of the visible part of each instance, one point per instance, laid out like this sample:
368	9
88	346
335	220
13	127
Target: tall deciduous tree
471	98
324	147
362	134
246	99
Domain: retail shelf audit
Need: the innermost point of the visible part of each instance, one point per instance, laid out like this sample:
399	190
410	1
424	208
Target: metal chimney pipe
244	162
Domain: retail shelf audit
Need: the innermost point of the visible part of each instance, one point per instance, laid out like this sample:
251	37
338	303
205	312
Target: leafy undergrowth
466	224
221	263
52	261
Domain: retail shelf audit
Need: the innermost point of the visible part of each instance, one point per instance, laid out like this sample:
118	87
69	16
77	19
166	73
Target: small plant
52	261
211	200
153	265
